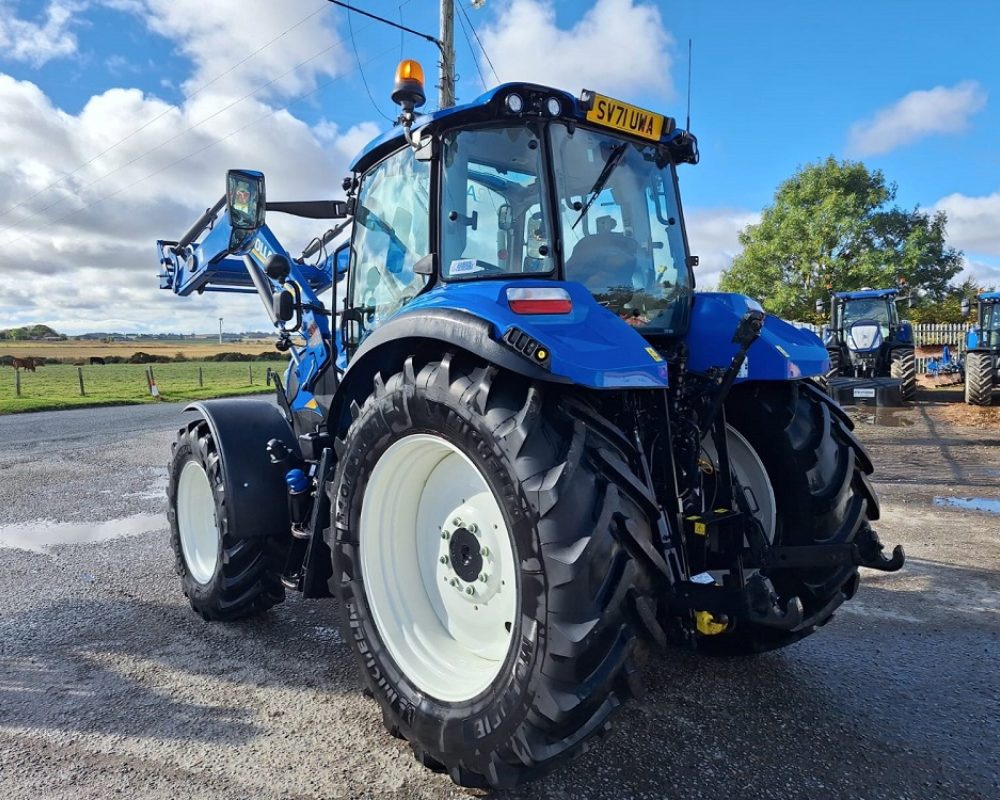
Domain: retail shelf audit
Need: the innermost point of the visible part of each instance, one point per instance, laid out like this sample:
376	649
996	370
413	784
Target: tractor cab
986	332
525	184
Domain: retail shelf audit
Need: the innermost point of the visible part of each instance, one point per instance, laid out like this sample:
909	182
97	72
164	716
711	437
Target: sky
119	119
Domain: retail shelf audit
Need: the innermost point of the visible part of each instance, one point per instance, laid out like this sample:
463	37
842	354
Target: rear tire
978	378
818	472
224	578
904	366
556	477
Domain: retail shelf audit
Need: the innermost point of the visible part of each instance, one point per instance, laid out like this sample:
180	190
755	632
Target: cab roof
864	294
990	296
490	106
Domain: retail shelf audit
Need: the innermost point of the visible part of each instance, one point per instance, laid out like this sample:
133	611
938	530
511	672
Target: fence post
201	379
79	372
17	381
250	367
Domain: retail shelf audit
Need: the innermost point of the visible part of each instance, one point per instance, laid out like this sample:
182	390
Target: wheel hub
466	557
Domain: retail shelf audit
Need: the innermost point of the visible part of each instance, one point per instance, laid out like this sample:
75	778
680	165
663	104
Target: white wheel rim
196	522
752	476
445	617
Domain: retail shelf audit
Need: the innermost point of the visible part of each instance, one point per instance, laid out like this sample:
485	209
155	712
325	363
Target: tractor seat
604	260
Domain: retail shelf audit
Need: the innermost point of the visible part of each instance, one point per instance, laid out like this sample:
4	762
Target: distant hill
30	332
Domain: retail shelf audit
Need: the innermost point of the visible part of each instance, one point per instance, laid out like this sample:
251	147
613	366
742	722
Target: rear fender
256	493
783	352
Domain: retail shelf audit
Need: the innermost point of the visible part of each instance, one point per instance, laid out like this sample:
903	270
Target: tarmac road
110	686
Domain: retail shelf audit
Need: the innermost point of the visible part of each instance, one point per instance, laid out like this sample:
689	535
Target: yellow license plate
623	117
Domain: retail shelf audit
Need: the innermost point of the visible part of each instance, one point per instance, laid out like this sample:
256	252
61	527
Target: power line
200	150
461	7
468	41
178	135
159	116
357	58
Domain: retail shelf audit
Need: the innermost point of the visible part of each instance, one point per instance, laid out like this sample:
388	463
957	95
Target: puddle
39	536
970	503
884	417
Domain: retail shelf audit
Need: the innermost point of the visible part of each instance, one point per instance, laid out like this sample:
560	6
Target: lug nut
457	522
486	552
454	582
484	577
473	528
444	534
470	590
444	559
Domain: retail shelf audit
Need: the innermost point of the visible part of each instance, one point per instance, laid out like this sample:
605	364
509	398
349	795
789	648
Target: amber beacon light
408	90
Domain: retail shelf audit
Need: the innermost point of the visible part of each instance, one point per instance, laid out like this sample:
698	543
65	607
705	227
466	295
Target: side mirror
284	306
341	260
246	203
966	307
820	307
911	300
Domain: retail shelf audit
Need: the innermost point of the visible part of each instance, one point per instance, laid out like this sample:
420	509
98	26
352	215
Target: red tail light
538	300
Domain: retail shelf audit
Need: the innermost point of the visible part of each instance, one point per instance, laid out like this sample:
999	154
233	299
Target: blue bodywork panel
590	346
864	294
990	296
781	353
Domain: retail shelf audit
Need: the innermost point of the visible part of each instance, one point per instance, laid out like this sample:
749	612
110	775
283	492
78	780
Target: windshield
873	308
493	204
620	226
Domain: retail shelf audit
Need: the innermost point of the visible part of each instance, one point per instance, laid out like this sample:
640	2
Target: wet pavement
110	686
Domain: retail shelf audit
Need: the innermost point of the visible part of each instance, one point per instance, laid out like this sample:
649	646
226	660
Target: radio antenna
688	124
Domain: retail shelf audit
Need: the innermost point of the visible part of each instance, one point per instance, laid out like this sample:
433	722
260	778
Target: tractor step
879	392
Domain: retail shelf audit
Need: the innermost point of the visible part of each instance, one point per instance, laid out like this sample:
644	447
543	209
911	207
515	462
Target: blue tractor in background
521	443
866	339
982	358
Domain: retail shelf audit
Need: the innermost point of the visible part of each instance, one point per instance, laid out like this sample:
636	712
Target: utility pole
447	46
220	330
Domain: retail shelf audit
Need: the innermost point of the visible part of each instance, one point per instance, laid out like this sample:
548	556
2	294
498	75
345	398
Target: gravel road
110	686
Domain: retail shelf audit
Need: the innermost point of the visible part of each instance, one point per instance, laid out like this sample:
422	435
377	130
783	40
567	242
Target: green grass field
57	386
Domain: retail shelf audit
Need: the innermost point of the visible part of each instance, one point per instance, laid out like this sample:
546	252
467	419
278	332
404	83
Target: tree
833	226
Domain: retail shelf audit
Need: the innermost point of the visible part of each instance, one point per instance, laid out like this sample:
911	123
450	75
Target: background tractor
982	359
866	339
527	444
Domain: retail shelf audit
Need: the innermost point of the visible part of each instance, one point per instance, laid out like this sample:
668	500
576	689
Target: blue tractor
982	358
866	339
521	443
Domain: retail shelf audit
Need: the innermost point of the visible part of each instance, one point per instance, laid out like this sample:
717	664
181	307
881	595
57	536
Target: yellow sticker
312	403
700	528
653	354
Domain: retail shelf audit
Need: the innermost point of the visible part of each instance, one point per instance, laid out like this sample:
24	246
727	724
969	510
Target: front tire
817	471
225	578
561	513
903	365
978	378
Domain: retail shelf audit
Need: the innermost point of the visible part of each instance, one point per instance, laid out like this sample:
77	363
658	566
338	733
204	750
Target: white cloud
618	46
94	261
218	34
39	42
973	222
923	113
714	237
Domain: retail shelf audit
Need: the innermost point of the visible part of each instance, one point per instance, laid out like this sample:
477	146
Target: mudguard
783	352
256	492
590	346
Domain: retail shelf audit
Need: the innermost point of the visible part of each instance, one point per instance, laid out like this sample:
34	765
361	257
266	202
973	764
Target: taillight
539	300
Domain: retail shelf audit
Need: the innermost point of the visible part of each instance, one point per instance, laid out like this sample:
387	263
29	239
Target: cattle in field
28	364
96	360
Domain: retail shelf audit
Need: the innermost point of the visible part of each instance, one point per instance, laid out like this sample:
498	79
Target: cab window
391	233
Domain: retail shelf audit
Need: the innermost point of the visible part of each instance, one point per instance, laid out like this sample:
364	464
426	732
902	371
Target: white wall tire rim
426	502
196	523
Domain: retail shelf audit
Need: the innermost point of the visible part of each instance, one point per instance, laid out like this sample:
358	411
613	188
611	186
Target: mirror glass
245	199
